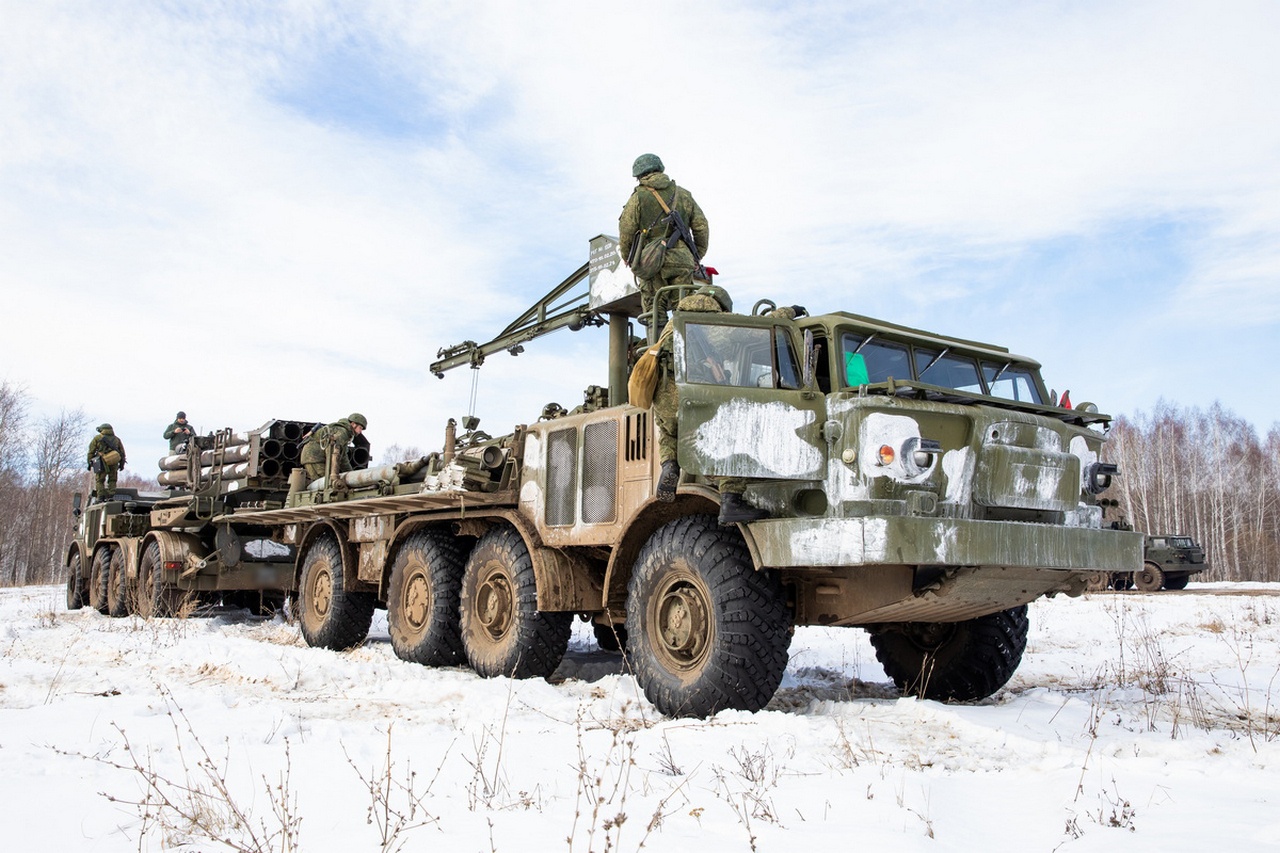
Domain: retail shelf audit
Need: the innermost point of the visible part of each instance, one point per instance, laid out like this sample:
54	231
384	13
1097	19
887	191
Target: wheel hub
495	605
417	601
322	593
683	624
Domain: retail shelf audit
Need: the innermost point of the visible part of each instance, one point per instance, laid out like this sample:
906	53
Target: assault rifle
682	232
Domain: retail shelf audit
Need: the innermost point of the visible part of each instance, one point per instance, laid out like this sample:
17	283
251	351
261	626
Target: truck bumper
917	541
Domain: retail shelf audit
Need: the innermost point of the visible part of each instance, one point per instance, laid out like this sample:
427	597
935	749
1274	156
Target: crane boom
567	305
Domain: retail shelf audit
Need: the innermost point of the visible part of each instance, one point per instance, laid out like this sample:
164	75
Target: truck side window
788	369
745	357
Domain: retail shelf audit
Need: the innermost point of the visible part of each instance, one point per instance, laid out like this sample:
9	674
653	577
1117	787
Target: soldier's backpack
652	255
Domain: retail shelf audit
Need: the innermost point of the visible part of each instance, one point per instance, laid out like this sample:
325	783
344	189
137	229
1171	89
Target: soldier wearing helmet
701	367
643	220
106	458
332	439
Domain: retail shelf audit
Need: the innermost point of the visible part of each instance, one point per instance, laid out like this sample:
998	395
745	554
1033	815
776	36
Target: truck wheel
1150	579
610	638
117	586
705	630
1176	581
503	632
331	617
100	579
157	599
953	661
75	583
423	600
1097	581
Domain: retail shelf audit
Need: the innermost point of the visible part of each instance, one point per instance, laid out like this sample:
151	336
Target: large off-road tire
1149	579
705	630
953	661
423	600
1097	581
156	598
610	638
1178	581
503	632
75	581
120	593
100	579
331	617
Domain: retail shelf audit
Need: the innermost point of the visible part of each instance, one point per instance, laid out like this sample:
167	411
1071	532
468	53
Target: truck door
743	412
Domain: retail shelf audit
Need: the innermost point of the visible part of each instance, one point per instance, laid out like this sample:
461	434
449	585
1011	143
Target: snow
1135	722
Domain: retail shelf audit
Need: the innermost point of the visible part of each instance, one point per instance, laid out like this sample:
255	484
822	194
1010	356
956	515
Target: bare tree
57	471
14	403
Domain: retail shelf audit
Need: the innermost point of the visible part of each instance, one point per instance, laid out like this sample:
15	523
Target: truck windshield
746	357
869	360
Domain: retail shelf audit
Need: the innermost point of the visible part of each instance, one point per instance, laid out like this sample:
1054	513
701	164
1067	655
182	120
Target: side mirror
77	501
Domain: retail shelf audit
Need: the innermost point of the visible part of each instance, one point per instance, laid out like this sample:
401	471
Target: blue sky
253	211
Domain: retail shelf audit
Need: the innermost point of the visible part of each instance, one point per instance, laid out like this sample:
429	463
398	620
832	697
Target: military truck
1168	562
922	487
154	553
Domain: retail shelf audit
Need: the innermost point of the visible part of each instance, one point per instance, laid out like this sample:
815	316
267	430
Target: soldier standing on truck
179	433
734	508
645	220
106	458
316	450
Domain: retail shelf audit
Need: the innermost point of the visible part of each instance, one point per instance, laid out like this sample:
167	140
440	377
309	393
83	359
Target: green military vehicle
157	553
1168	562
921	487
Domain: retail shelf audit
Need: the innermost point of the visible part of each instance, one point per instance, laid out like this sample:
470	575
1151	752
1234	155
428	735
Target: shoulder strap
665	208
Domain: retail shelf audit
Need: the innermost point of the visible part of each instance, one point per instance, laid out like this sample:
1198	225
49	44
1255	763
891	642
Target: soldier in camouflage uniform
666	408
643	212
179	432
315	451
104	471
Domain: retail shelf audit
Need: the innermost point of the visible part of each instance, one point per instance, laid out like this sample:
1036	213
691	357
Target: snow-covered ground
1135	722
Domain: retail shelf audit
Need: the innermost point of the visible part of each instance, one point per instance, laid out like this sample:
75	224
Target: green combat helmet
357	418
719	294
645	164
101	427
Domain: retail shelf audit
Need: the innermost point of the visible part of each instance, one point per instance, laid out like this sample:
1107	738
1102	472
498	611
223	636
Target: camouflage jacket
175	437
105	441
643	211
338	433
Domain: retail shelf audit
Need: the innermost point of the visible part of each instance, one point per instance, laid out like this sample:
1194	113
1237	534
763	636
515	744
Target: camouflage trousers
666	417
104	483
649	288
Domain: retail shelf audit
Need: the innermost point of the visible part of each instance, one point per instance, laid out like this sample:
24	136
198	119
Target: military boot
668	479
734	509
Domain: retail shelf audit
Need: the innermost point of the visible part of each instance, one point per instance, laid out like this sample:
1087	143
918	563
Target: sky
1134	723
253	211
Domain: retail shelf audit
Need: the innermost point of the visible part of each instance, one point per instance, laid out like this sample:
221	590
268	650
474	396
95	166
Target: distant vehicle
1168	562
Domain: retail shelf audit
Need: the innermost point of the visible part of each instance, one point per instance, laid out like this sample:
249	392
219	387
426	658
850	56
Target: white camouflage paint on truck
732	437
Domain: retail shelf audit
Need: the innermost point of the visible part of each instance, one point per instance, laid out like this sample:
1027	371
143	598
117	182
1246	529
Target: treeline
1183	470
1206	474
42	463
